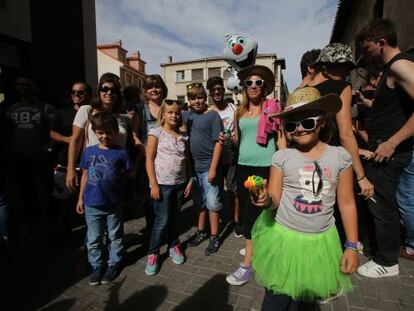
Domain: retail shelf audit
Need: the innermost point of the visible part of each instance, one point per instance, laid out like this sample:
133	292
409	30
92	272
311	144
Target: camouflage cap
337	53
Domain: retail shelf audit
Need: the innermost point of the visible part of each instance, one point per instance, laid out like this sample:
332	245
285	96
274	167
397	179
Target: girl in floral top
168	167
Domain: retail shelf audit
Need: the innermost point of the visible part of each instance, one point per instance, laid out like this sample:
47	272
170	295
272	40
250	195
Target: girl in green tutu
297	251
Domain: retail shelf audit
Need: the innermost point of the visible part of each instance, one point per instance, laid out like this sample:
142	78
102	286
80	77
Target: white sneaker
242	251
374	270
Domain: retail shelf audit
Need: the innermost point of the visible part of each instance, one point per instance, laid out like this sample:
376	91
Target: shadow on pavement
147	299
213	295
61	305
36	273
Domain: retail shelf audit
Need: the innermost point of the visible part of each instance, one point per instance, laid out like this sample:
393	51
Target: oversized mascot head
240	52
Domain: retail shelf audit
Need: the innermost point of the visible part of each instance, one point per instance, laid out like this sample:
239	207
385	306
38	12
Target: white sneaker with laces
374	270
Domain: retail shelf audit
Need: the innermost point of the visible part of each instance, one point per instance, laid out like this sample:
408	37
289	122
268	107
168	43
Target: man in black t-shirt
28	122
60	133
390	130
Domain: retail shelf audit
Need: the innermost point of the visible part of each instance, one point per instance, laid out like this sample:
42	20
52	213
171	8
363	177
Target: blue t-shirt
105	168
203	130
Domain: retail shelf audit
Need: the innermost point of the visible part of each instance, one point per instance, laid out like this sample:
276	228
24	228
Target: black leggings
248	212
280	302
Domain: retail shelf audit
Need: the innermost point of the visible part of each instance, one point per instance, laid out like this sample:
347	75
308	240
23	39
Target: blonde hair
245	104
163	108
196	89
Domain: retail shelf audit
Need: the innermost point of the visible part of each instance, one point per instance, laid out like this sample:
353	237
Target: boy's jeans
99	218
208	195
405	200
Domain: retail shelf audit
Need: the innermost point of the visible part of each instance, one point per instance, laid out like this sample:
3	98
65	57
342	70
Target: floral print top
170	161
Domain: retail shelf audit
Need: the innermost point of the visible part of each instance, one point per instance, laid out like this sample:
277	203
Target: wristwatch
357	246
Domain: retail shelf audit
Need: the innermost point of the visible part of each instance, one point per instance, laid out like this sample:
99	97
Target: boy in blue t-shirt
204	127
100	197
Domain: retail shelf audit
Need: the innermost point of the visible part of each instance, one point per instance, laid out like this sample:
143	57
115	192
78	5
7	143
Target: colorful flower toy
254	184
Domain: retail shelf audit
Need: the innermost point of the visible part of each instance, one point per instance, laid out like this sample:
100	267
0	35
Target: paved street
55	278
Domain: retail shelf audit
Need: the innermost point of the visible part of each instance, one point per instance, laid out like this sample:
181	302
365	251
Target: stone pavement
57	280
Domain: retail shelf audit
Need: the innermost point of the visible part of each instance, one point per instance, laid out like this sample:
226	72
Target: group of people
318	154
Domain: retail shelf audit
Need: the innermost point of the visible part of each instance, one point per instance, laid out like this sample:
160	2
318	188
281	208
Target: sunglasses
77	92
258	83
217	89
190	86
317	171
152	85
308	124
106	89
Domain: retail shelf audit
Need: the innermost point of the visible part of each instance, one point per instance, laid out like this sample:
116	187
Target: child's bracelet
356	246
361	178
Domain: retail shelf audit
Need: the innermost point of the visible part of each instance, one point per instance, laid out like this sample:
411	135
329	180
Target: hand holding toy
254	184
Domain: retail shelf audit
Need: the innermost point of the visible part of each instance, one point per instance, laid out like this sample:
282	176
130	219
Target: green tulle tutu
303	266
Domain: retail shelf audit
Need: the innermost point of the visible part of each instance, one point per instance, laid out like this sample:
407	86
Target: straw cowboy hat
307	99
257	70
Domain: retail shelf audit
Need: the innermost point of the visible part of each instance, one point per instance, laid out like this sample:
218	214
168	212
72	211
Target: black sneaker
213	245
96	276
110	275
238	230
199	237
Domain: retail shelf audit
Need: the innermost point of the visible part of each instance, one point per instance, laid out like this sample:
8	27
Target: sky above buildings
190	29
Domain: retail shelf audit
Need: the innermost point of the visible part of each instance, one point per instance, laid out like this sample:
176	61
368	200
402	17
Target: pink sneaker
176	255
152	265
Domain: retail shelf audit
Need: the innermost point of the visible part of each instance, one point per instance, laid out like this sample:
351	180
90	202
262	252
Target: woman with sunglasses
297	251
108	98
257	143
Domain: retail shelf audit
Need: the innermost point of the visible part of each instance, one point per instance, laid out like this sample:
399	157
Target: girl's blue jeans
166	210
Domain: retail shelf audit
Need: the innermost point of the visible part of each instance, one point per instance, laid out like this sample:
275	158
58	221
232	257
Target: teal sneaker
176	255
152	265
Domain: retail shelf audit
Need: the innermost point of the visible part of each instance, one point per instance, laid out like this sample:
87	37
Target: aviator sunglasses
106	89
258	83
78	92
308	124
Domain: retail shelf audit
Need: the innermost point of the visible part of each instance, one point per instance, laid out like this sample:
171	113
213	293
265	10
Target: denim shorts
208	195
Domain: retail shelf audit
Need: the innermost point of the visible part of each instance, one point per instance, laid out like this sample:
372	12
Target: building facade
113	58
178	74
353	15
29	45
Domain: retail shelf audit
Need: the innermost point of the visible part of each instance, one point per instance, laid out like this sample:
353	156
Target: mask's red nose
237	49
